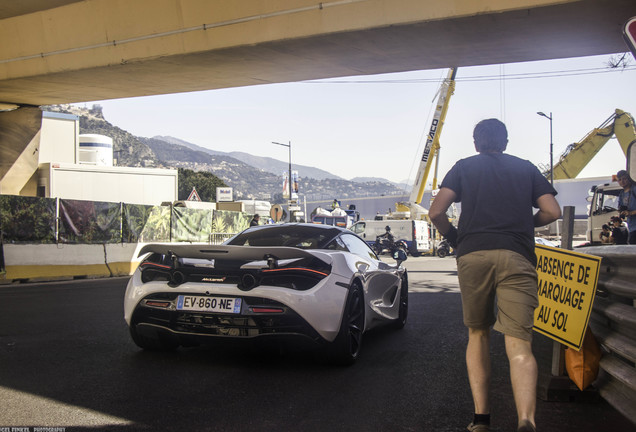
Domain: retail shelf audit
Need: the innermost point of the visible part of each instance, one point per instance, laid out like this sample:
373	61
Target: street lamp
289	178
549	117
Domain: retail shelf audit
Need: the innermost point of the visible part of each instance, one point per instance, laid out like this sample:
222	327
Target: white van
416	233
252	207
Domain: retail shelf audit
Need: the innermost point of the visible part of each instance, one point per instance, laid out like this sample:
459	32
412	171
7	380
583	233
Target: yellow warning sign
567	285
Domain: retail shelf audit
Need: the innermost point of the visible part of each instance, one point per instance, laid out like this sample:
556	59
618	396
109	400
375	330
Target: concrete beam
19	145
103	49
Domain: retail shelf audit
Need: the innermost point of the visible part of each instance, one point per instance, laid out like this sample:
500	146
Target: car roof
299	226
322	234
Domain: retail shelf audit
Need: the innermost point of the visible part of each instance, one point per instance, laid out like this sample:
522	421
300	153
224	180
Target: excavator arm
578	155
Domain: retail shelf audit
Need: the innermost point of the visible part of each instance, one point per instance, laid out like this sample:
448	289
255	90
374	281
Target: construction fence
33	220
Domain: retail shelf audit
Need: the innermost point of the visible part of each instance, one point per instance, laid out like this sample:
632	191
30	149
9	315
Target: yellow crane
431	151
578	155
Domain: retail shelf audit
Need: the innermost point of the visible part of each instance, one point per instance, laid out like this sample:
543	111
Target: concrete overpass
63	51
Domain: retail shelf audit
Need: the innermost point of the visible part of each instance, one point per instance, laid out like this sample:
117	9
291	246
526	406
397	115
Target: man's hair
490	135
622	173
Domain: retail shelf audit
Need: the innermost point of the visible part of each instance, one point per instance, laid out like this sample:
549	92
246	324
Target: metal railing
218	238
613	322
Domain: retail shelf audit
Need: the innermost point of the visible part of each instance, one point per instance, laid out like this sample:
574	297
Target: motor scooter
382	243
444	249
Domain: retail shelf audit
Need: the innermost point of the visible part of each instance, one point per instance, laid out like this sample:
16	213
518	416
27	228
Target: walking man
494	245
255	220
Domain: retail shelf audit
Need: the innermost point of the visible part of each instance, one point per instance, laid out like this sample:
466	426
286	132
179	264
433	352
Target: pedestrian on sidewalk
494	245
627	201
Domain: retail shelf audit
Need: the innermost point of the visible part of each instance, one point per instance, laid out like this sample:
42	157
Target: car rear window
303	237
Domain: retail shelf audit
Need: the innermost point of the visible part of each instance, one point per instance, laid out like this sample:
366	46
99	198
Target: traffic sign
276	212
567	285
629	33
194	196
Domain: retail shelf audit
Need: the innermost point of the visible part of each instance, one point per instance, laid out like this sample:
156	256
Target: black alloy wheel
400	322
345	349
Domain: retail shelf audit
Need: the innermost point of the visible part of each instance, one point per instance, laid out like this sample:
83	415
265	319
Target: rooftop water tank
95	149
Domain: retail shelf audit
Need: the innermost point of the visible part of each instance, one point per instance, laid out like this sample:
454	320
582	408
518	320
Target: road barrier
614	325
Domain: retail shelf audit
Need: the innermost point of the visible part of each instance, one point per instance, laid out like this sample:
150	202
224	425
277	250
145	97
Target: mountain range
268	164
251	177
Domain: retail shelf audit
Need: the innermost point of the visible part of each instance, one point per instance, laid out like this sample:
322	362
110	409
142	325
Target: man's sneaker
526	426
478	428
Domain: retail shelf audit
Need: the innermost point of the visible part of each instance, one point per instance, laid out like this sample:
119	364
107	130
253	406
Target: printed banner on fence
567	285
145	223
89	222
191	225
27	219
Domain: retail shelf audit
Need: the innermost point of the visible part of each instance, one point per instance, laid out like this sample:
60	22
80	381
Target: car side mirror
399	255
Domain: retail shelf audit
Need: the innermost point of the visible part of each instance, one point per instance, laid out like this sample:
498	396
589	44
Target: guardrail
613	322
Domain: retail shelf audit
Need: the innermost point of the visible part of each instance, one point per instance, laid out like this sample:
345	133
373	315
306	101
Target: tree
204	182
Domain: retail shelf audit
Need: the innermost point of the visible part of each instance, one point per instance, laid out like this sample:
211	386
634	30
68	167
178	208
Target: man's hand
451	236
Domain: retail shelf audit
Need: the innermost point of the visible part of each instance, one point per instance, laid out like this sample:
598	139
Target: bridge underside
571	29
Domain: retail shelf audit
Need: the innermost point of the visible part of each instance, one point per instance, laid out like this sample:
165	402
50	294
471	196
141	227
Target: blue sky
374	126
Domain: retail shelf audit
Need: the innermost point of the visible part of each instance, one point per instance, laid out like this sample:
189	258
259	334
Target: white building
53	160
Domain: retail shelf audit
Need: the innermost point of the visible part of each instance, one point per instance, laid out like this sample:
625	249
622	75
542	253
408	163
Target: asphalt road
67	361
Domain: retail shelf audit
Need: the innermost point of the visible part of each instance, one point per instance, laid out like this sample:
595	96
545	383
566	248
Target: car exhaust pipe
248	281
177	279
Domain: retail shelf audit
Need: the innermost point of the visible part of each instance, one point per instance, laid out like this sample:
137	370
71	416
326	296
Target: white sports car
314	282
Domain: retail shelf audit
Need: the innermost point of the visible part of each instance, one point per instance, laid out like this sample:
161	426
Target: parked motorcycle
444	249
382	243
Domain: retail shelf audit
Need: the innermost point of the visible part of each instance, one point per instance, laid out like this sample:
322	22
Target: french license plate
229	305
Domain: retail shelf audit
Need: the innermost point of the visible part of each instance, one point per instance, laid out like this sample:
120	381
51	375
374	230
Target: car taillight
299	274
158	304
295	269
155	268
256	309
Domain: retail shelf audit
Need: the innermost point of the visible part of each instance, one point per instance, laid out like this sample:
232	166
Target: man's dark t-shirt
497	192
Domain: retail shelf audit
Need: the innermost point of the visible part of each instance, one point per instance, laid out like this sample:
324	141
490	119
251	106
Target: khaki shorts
506	276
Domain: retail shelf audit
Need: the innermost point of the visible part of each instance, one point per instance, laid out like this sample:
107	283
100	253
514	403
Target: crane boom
578	155
432	141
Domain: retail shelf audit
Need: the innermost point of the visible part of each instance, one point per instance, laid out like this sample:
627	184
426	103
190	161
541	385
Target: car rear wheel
156	342
346	347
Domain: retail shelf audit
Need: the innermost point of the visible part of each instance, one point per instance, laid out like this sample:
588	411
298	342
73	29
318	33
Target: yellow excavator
578	155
